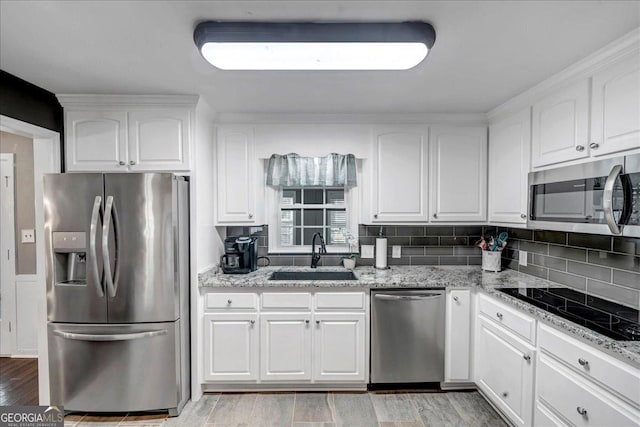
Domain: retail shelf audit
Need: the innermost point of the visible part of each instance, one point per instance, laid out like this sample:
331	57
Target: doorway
7	255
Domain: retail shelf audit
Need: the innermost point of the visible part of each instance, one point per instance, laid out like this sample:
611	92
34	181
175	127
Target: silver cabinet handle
406	297
250	215
109	337
581	411
132	162
435	215
456	299
252	322
306	321
527	357
580	148
607	199
499	315
375	216
523	216
505	394
583	362
111	212
121	163
317	322
93	230
228	302
594	145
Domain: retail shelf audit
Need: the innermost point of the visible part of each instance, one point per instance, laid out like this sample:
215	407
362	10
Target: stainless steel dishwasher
407	336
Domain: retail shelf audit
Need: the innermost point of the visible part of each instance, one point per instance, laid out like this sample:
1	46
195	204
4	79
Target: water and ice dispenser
70	257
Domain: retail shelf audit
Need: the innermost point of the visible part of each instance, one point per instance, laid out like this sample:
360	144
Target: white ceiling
485	51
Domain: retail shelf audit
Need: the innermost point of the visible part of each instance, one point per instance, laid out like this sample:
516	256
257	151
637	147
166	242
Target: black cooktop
613	320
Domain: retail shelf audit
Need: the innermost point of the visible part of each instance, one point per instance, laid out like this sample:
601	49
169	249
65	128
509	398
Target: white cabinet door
96	141
285	346
504	371
561	125
159	139
458	174
615	108
236	166
399	176
509	157
339	347
457	366
231	347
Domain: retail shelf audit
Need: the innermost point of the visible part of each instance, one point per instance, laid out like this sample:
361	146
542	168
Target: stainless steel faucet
315	256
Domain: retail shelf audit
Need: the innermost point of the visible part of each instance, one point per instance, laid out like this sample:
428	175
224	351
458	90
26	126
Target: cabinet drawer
519	323
232	301
578	401
545	418
297	300
591	363
340	300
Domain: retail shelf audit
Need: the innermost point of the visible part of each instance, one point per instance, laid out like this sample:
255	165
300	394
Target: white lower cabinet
504	371
231	347
339	347
457	362
285	344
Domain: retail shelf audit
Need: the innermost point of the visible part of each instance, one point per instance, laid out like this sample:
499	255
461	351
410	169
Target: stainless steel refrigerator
118	291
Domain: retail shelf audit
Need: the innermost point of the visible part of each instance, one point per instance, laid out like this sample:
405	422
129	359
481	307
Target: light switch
396	251
28	236
366	251
523	258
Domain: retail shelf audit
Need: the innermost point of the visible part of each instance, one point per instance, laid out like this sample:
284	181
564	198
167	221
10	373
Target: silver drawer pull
229	302
499	315
527	357
456	299
581	411
583	362
306	321
253	322
505	394
594	145
580	148
317	322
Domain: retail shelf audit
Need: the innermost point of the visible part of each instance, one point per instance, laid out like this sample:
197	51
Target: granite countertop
432	277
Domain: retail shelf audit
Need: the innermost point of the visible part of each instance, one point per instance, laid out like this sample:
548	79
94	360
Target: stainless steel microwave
601	197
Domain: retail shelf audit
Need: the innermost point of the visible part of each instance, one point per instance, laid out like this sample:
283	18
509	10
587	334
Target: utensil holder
492	261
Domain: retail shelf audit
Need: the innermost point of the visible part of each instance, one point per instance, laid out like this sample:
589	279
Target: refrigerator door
73	204
140	271
114	368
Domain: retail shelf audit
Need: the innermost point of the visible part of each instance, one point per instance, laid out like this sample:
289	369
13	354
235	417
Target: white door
509	157
457	362
96	141
159	140
231	347
615	107
7	257
285	345
504	371
236	166
560	127
339	347
399	175
458	174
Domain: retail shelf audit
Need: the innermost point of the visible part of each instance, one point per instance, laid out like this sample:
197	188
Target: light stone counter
431	277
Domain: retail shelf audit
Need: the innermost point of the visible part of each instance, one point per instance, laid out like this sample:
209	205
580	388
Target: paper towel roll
381	253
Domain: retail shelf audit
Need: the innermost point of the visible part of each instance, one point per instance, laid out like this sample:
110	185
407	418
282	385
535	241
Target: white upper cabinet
122	133
236	165
458	190
615	109
159	139
96	140
399	176
509	157
560	125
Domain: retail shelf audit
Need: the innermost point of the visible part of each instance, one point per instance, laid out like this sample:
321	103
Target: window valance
292	170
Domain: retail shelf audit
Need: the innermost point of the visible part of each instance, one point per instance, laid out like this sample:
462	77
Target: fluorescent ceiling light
314	46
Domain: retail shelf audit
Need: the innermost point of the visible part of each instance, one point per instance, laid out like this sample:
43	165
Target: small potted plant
349	261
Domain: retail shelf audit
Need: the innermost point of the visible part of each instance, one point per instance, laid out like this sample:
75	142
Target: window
306	211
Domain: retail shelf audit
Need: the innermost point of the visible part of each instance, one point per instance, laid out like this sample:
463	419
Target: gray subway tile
626	278
437	230
568	253
454	260
439	250
534	270
625	296
475	260
608	259
329	261
591	241
573	281
475	230
627	245
520	234
454	241
405	260
589	270
550	262
399	241
412	250
409	230
558	237
424	260
425	241
281	260
538	248
467	250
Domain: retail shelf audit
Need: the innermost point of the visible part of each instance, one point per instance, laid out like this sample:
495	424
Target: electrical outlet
366	251
523	258
28	236
396	251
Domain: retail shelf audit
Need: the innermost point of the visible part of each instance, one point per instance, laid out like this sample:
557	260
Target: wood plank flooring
18	381
451	409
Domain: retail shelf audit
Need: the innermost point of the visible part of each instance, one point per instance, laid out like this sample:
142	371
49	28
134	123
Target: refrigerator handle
110	211
93	230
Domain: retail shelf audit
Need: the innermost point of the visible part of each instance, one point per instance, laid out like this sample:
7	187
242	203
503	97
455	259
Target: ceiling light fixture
314	46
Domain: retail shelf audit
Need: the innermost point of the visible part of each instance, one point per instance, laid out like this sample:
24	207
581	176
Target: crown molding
351	118
72	101
601	58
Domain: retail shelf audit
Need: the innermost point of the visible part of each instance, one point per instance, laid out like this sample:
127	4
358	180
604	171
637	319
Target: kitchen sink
313	275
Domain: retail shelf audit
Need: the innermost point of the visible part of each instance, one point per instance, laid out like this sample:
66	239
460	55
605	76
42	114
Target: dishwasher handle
407	297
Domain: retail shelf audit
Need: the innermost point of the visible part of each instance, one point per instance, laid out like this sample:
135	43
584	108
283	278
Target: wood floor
18	381
452	409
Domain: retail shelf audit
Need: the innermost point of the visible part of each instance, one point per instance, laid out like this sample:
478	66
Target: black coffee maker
240	255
